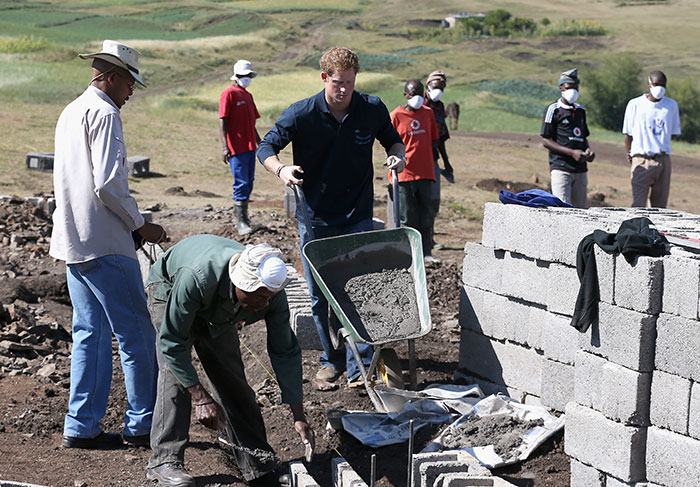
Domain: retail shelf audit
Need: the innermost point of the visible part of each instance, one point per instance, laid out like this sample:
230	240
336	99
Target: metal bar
412	363
368	385
373	470
409	480
395	188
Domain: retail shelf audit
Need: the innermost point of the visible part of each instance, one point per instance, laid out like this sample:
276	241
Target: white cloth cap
243	67
258	265
121	55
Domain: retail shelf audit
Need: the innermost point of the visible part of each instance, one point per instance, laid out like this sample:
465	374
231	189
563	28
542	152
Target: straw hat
120	55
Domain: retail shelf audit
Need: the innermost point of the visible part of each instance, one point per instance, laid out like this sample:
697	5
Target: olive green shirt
193	280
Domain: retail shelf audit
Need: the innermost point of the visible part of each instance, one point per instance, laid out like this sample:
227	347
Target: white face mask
657	92
244	82
570	95
435	94
415	102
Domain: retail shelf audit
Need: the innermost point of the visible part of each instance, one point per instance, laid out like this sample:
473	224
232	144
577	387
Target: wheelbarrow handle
301	199
395	189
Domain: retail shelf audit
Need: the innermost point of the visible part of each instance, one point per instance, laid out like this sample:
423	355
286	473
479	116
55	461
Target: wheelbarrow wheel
390	368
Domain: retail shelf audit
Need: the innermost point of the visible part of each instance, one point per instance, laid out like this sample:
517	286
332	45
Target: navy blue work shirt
336	157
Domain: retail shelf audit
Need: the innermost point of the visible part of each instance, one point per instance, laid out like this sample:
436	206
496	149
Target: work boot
103	441
329	374
245	215
171	475
241	225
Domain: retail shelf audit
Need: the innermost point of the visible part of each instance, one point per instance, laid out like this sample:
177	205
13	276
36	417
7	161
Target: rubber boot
241	225
245	215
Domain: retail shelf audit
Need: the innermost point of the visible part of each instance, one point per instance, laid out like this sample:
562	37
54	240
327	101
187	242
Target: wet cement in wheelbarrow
381	305
503	431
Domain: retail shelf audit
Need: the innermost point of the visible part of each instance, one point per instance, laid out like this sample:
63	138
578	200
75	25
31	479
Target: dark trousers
221	359
417	210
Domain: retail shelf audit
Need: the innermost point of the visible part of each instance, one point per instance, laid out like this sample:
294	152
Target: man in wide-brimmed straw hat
93	224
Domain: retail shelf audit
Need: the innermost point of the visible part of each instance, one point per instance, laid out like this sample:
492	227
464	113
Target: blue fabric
108	297
336	157
243	170
535	198
344	358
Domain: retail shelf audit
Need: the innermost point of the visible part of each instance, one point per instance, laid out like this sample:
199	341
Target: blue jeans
343	358
243	170
108	297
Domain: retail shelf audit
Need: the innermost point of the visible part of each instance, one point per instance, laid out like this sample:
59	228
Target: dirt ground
35	360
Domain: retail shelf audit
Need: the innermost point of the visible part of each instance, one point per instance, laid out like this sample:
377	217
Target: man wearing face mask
565	134
650	121
416	125
239	138
436	83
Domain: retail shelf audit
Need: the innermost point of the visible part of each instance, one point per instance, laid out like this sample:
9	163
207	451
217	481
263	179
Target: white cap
120	55
258	265
243	68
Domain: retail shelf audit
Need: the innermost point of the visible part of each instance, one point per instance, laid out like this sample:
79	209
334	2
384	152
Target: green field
502	83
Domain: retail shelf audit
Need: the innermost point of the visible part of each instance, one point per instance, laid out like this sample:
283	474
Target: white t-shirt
651	124
95	213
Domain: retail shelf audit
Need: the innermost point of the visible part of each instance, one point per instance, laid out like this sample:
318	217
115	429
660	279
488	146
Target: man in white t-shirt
650	121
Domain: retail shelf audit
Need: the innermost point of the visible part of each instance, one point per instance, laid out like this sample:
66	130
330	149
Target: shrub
573	28
687	94
23	44
608	89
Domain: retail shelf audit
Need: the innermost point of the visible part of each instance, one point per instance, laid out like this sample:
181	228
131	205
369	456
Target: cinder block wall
630	387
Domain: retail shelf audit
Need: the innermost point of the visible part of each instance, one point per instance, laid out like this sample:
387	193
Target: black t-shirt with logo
566	126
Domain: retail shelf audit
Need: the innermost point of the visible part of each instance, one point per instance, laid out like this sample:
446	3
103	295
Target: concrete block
562	289
670	402
138	165
622	336
681	285
611	481
614	448
694	411
40	161
557	384
300	477
674	335
672	459
501	363
525	278
584	476
460	479
300	318
617	392
639	286
471	301
427	467
420	459
605	264
560	340
482	267
344	475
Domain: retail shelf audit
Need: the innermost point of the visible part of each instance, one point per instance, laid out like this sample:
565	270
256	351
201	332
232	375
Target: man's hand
206	410
395	162
307	437
225	155
152	233
288	175
588	155
576	154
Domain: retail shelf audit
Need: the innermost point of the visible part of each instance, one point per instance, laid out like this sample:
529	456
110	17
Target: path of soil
34	365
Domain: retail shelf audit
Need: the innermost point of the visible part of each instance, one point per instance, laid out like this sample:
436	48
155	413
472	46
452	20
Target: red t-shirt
238	108
417	130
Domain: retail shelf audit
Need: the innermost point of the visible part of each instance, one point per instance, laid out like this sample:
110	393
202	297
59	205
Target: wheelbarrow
335	260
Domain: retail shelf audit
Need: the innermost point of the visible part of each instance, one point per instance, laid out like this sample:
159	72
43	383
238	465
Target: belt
650	156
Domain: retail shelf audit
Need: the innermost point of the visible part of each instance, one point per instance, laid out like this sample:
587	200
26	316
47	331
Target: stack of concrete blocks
344	475
428	468
627	385
300	318
300	477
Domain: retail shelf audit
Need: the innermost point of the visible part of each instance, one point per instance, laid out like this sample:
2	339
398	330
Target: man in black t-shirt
565	134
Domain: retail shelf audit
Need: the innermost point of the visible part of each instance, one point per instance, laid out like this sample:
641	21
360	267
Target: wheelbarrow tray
334	260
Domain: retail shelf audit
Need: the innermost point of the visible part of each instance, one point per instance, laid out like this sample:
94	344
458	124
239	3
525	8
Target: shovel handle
395	189
301	199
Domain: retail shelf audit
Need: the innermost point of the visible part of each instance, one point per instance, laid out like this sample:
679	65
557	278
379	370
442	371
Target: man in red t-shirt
416	125
237	115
